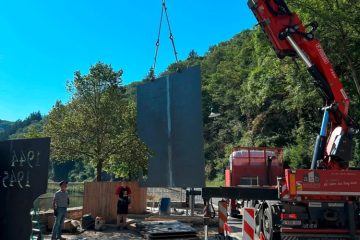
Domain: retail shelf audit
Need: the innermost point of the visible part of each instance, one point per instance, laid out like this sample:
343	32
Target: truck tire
259	222
268	224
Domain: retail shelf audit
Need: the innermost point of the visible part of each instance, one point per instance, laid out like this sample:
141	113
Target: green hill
5	127
20	128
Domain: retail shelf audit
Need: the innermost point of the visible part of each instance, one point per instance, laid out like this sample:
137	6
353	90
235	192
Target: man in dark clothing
123	193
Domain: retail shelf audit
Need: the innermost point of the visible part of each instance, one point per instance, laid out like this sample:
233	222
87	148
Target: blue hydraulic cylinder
324	123
320	141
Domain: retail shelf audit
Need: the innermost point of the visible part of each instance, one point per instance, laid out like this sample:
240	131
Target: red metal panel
325	182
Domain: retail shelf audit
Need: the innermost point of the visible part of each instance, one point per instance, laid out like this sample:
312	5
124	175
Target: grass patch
219	181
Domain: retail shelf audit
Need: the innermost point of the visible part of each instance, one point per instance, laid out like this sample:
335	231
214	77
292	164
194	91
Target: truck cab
250	167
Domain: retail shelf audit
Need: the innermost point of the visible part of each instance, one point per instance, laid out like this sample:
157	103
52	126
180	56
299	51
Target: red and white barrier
222	215
284	192
249	224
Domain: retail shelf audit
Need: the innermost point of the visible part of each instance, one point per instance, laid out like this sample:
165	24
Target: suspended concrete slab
169	121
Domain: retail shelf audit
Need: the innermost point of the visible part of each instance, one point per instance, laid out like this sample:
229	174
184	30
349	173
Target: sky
43	42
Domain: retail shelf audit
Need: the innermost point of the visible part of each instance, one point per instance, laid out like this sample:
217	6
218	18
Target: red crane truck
321	202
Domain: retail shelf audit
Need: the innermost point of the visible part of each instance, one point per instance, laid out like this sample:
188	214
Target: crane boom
290	37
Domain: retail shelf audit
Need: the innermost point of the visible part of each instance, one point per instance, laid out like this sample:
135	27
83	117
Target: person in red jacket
123	193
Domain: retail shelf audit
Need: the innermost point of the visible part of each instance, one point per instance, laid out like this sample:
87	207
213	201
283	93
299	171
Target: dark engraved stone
23	177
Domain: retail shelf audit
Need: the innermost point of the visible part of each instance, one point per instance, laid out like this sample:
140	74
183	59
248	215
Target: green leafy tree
95	125
339	33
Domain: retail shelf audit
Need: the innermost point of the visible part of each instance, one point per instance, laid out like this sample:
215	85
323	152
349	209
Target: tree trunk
353	73
99	167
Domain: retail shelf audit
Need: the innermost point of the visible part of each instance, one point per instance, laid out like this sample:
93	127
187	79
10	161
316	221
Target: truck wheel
259	223
268	224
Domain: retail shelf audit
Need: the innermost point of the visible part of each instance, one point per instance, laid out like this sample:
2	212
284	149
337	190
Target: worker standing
60	204
123	193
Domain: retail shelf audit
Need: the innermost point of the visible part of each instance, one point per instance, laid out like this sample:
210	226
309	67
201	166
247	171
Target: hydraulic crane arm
290	37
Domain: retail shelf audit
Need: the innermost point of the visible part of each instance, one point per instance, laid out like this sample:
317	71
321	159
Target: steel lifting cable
164	9
171	35
158	39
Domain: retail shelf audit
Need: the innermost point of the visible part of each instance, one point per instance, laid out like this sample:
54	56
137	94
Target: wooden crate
100	199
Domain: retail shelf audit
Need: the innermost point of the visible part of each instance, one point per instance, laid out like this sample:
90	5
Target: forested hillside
29	127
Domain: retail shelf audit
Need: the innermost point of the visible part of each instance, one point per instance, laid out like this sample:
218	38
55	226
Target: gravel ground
112	233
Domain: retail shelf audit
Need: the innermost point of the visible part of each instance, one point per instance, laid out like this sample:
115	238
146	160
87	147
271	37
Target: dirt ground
112	233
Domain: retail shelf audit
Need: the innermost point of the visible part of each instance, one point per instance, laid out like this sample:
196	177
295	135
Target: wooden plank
100	199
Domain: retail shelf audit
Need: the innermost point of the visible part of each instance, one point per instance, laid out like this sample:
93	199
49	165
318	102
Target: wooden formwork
100	199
